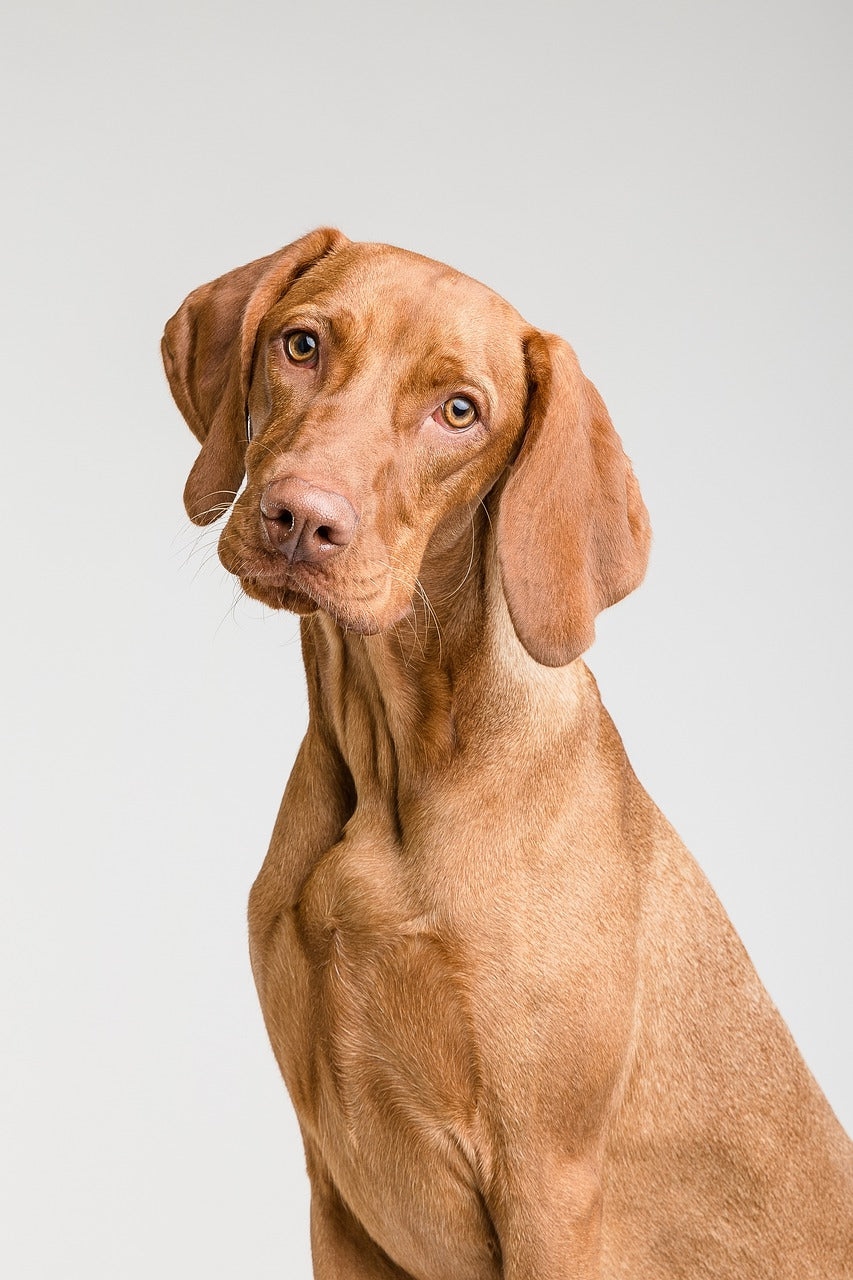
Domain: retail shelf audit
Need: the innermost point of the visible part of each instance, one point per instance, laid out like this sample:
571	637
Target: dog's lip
310	582
280	573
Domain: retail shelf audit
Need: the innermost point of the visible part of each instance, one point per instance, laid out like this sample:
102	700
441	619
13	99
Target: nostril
278	515
304	522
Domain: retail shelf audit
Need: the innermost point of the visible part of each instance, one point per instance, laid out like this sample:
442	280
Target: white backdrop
668	186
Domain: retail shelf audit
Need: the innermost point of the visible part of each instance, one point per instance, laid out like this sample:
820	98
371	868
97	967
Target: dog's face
387	395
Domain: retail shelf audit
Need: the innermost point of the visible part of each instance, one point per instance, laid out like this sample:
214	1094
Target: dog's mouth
359	601
277	589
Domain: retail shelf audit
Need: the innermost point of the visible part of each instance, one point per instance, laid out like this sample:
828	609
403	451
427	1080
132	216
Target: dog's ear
207	350
573	532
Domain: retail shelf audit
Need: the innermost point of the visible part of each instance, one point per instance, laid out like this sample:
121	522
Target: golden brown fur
519	1032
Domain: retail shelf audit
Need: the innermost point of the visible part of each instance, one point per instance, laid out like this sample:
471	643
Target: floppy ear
207	350
573	532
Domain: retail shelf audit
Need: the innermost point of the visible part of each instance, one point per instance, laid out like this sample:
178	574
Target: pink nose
303	522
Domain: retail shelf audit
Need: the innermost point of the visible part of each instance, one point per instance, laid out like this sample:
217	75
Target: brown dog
520	1034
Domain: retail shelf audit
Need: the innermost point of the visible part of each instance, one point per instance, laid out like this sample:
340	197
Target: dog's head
373	398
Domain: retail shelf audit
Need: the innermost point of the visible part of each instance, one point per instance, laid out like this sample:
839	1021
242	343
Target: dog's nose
303	522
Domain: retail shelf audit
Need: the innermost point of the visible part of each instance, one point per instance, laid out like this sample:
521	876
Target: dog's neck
429	692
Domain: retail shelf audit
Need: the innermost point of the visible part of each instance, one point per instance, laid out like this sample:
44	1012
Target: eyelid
311	331
318	326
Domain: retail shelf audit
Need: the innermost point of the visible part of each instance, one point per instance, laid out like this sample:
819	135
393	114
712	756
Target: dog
520	1034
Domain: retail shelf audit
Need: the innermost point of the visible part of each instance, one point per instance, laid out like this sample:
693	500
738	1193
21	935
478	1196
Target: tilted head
373	398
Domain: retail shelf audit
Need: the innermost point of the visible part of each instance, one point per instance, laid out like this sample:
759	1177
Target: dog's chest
376	1040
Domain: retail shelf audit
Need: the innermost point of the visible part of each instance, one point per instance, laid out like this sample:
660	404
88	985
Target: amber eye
459	412
300	346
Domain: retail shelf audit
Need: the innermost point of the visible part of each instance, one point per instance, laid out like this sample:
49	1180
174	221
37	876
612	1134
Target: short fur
520	1034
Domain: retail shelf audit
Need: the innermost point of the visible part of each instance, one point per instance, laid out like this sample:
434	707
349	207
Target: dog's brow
308	316
437	374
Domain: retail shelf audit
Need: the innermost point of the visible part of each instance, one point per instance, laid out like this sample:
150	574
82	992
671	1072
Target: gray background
665	184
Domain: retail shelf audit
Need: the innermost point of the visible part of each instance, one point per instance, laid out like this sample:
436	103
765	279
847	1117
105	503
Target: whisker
432	613
211	555
456	590
488	513
201	543
240	594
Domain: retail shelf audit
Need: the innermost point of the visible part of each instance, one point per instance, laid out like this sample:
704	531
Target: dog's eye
301	347
459	412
